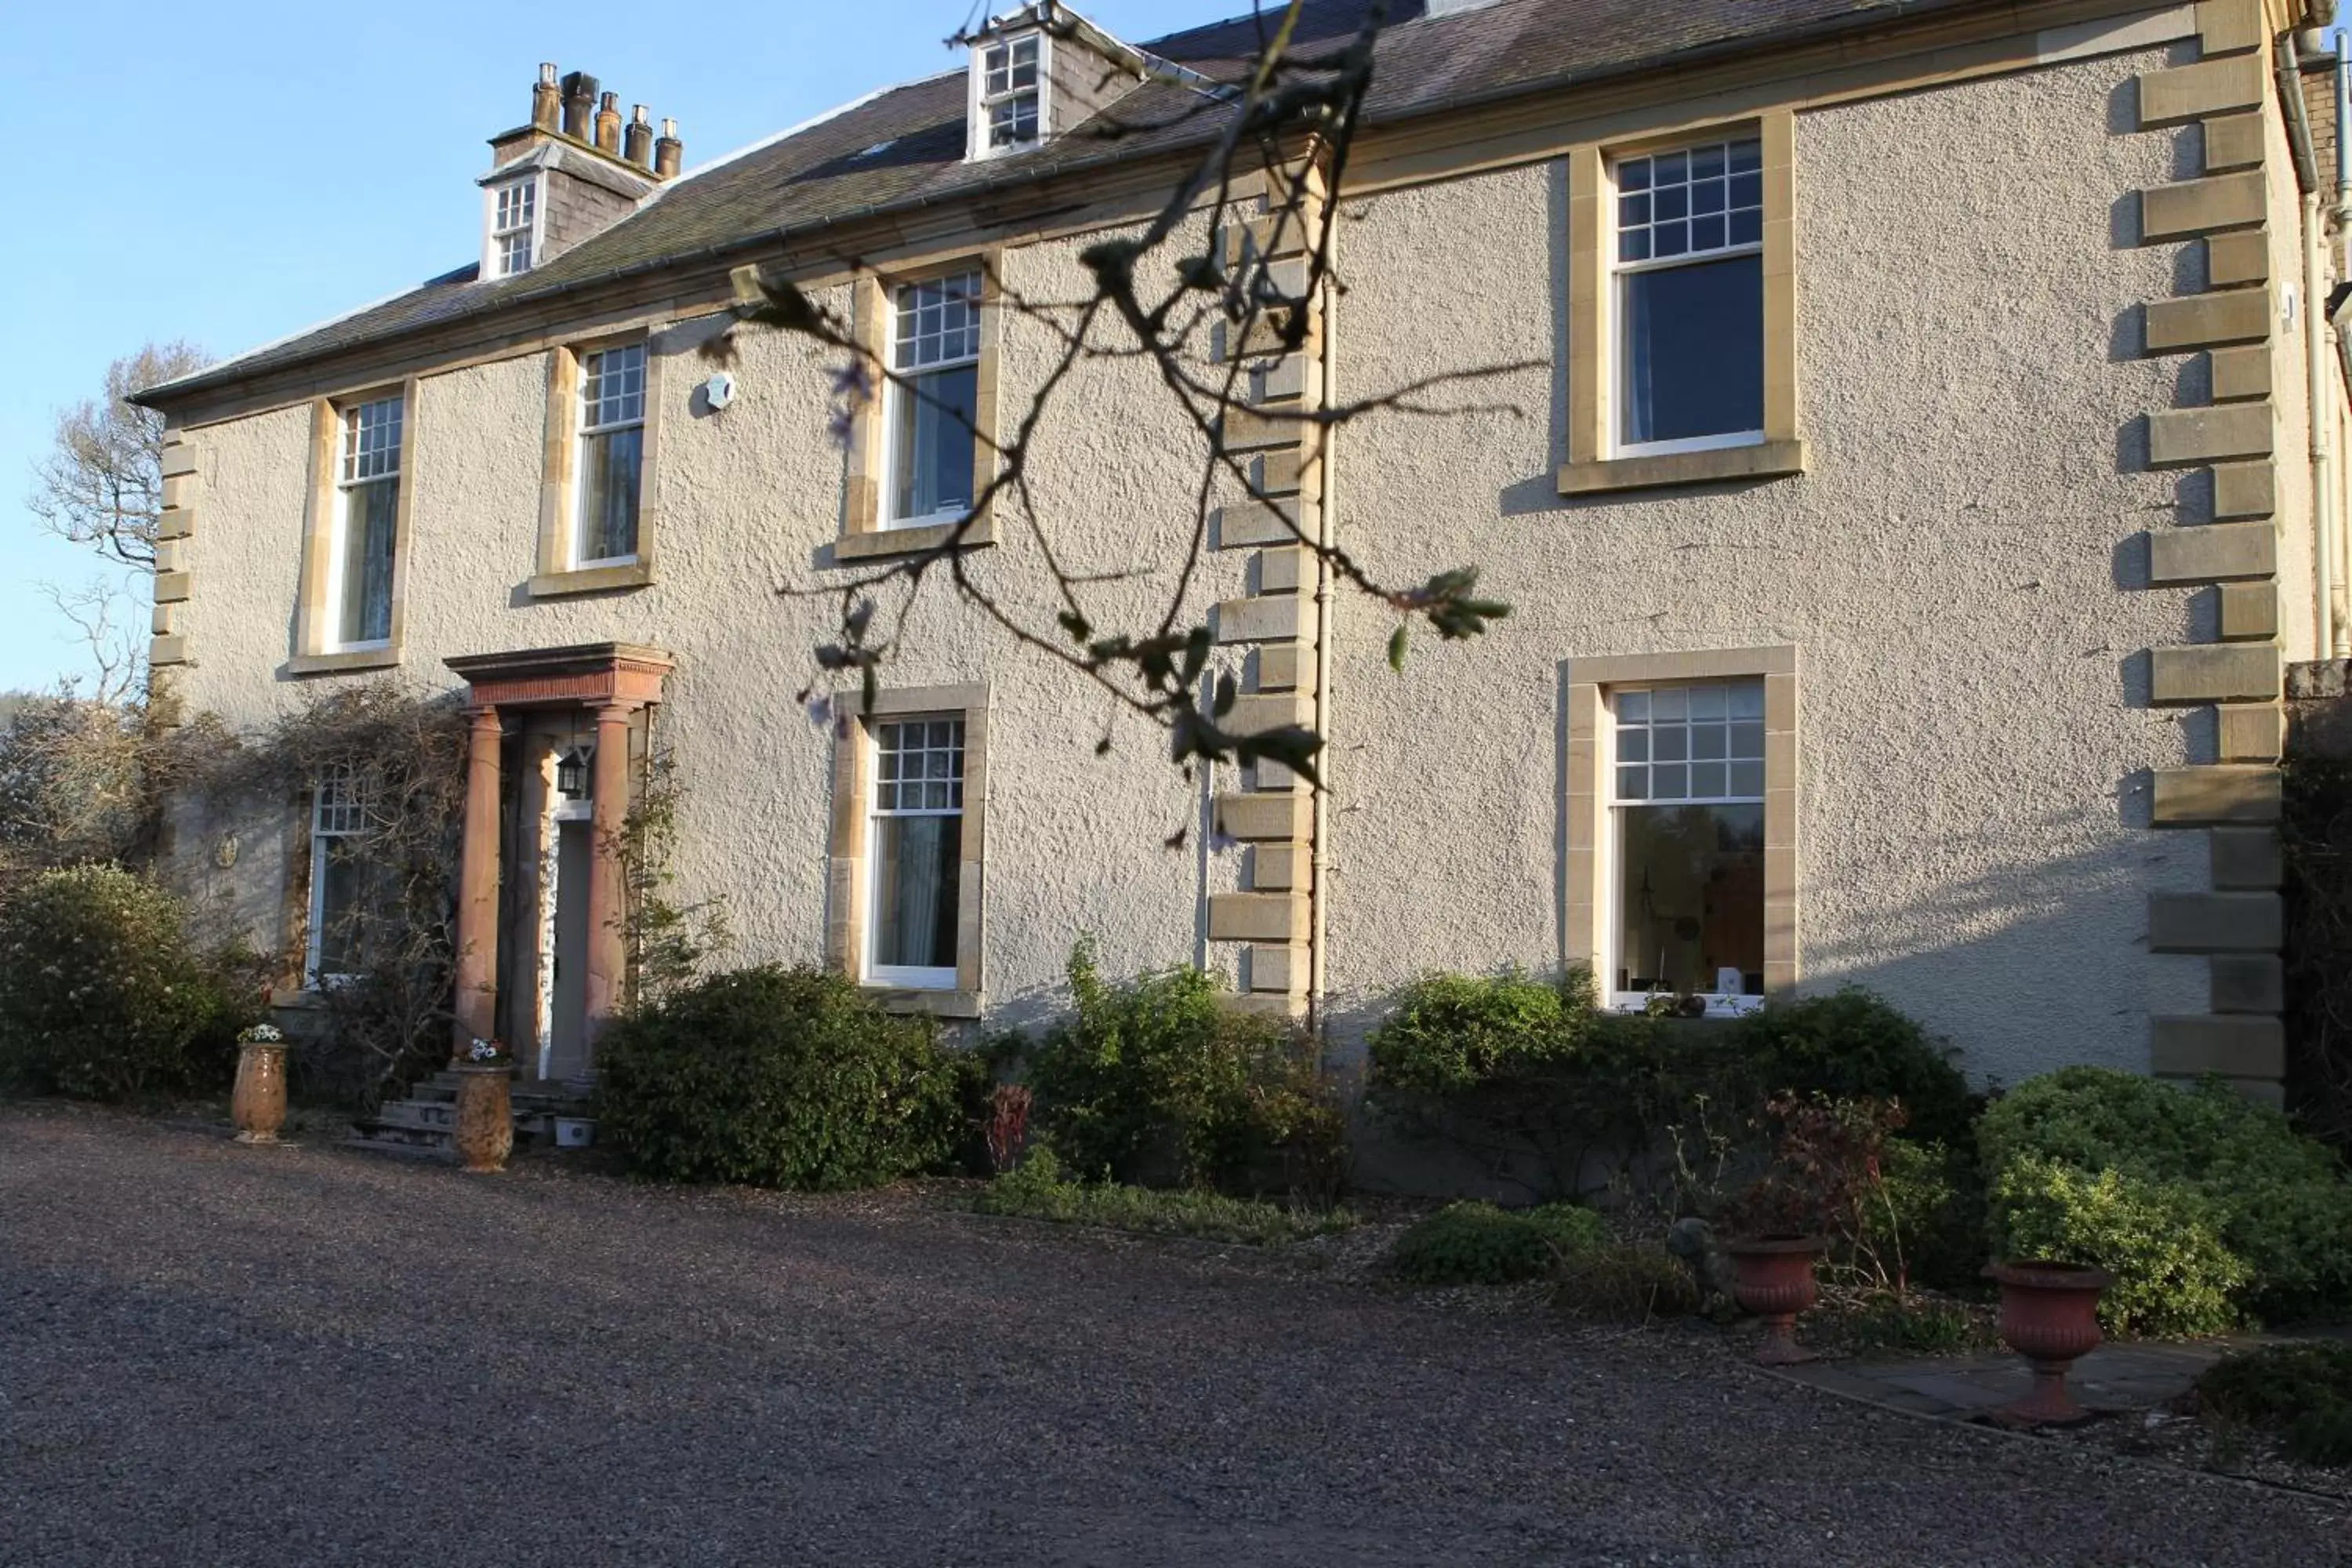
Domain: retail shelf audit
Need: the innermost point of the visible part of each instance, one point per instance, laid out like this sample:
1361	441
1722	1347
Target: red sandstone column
609	803
477	1003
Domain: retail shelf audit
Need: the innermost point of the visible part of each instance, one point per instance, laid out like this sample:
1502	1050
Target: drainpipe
1327	531
2319	412
2333	644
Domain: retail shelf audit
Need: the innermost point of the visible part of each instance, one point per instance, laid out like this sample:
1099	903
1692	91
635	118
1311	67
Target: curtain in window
1694	350
372	514
608	493
915	890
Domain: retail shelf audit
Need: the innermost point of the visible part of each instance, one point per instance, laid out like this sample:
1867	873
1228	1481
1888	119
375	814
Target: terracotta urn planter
485	1131
1776	1283
259	1104
2049	1315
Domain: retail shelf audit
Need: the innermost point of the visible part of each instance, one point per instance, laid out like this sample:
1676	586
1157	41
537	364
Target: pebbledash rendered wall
1957	572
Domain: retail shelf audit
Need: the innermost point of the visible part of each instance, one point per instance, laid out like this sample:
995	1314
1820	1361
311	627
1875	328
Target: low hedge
2300	1393
1036	1189
779	1078
104	996
2209	1209
1479	1244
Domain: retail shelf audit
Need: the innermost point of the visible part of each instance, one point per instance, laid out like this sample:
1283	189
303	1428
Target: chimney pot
546	99
608	124
669	153
579	105
640	140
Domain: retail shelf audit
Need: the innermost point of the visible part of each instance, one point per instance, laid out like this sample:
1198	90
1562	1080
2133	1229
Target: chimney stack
579	105
640	143
669	153
608	125
546	98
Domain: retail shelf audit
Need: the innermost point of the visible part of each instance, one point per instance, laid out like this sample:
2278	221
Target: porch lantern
572	774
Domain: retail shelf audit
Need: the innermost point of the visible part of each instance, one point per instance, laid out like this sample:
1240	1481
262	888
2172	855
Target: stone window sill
591	579
911	541
938	1003
337	663
1724	465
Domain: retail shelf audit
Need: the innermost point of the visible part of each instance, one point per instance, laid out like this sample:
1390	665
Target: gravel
212	1354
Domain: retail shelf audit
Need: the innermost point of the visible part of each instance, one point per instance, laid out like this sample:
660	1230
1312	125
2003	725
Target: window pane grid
372	441
1695	745
1695	201
338	803
918	768
613	389
1010	66
938	322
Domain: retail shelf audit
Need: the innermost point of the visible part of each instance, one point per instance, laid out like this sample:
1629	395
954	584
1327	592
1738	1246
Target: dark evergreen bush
779	1078
2303	1393
1850	1045
102	996
1160	1080
1479	1244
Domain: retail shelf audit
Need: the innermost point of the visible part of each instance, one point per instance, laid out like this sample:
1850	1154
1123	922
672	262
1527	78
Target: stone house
1905	481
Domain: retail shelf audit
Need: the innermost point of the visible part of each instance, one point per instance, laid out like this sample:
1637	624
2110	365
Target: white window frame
494	265
1614	304
350	809
1613	807
981	103
338	541
894	397
582	428
906	977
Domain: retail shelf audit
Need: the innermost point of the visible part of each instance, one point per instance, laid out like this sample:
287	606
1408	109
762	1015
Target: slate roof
903	147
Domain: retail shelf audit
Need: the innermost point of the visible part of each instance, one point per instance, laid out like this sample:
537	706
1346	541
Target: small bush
2161	1240
1615	1283
1452	1034
1853	1046
1036	1189
1925	1224
103	997
1912	1325
1158	1080
779	1078
1479	1244
2303	1393
2279	1203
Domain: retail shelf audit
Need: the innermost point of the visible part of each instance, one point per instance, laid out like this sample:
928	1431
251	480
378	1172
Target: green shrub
1035	1189
1850	1045
778	1078
1913	1325
2278	1201
1451	1034
103	997
2161	1240
1478	1244
2303	1393
1159	1079
1925	1224
1613	1282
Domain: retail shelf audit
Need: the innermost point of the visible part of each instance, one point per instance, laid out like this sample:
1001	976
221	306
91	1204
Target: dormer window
514	227
1008	95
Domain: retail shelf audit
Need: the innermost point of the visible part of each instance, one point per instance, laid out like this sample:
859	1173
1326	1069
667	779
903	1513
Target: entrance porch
557	752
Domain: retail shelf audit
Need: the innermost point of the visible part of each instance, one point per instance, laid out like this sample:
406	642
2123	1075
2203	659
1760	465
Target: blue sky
228	174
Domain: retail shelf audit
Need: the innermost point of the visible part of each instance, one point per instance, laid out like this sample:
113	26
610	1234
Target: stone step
429	1122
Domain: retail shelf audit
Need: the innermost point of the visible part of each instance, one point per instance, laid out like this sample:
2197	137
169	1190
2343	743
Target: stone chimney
640	138
562	175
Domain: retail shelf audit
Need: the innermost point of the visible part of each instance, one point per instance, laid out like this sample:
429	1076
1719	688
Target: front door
567	1055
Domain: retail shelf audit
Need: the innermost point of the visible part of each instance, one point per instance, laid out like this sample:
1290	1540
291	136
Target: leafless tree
116	665
1196	318
101	483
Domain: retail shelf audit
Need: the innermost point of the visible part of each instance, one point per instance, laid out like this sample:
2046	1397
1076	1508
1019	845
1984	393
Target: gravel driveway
217	1355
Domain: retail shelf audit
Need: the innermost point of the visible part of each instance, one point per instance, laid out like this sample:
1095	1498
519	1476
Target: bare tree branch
101	483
